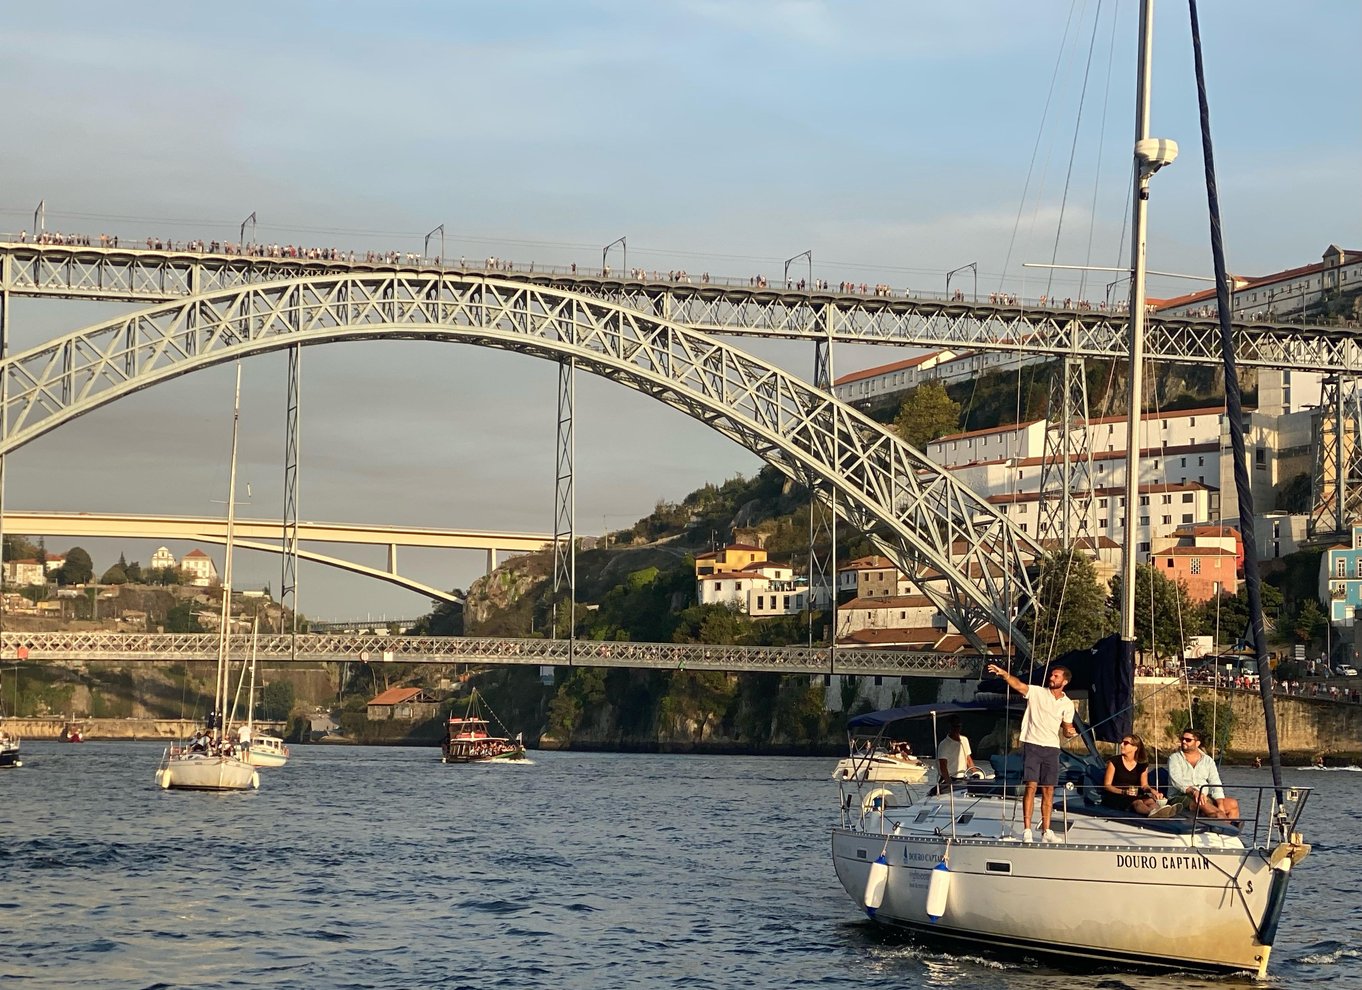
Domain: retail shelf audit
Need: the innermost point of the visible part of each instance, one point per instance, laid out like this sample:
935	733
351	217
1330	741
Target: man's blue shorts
1041	764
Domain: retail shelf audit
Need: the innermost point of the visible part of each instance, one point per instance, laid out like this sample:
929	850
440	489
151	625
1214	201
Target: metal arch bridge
162	275
213	529
334	647
959	548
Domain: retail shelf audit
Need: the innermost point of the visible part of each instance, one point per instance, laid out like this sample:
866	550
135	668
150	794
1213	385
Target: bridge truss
728	310
278	649
958	548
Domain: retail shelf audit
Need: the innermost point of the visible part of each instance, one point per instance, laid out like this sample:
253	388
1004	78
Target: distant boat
71	732
9	752
259	749
211	762
882	765
468	741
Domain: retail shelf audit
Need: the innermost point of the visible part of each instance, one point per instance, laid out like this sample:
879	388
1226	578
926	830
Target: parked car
1346	670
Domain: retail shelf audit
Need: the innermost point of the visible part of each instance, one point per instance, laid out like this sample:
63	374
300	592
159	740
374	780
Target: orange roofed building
734	557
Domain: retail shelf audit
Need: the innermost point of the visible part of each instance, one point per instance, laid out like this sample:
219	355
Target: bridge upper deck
728	306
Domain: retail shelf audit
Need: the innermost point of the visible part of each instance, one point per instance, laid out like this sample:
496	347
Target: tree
1165	605
114	575
926	413
181	618
1309	621
77	569
134	573
19	548
1071	610
276	701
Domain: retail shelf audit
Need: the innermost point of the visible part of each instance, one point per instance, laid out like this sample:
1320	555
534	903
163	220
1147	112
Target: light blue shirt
1203	776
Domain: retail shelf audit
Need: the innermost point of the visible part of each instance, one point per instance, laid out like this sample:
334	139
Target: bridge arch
962	551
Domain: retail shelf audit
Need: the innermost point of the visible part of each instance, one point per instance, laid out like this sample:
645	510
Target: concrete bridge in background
248	534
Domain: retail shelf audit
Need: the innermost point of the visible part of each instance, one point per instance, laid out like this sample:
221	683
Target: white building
198	568
162	559
763	588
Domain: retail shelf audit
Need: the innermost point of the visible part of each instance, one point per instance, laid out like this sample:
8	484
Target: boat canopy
875	720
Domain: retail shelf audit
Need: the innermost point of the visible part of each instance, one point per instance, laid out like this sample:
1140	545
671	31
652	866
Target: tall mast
220	698
1142	173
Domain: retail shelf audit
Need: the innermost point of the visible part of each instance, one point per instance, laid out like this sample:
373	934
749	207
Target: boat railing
1260	812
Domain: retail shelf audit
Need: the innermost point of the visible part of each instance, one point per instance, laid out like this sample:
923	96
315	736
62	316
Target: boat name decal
1130	861
921	857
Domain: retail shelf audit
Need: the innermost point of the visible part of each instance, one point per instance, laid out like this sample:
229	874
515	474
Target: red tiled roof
395	696
885	369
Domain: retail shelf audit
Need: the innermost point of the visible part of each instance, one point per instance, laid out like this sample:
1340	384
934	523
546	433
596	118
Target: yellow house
734	557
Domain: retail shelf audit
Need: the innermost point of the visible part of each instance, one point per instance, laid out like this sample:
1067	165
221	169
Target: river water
380	867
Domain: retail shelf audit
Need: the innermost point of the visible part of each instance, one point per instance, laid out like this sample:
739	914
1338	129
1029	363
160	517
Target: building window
1260	458
761	602
1144	499
1196	565
1167	520
1186	517
1144	520
1341	567
1187	496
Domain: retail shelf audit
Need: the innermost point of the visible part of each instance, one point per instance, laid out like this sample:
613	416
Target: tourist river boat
468	740
1115	887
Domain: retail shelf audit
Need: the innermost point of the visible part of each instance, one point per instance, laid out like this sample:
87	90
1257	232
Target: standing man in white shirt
953	756
1049	715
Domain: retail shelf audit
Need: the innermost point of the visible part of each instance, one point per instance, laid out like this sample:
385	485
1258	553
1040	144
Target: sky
895	141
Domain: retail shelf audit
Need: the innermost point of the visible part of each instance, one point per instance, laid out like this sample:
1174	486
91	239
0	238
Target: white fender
255	780
877	800
875	884
938	890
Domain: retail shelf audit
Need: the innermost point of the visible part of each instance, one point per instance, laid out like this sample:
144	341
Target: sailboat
212	762
259	749
1116	887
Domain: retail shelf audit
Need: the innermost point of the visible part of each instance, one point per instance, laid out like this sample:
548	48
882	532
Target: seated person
953	756
1196	780
1126	784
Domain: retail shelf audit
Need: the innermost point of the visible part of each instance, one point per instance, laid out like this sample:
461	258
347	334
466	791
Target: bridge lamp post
425	249
624	249
1113	284
788	261
40	218
973	266
249	220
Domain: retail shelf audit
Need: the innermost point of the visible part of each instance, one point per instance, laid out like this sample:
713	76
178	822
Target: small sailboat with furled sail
1194	892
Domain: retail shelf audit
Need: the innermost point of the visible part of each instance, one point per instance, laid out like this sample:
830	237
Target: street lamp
40	218
1113	284
425	249
788	261
249	220
973	266
624	248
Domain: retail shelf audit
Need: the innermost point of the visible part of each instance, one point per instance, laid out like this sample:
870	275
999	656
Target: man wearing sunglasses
1196	779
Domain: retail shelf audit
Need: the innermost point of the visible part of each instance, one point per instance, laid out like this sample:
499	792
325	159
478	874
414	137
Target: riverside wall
1306	727
115	728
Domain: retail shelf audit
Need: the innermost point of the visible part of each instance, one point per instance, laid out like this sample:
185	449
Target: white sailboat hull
207	773
1113	891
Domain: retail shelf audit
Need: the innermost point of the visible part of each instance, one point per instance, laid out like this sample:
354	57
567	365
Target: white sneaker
1048	836
1027	836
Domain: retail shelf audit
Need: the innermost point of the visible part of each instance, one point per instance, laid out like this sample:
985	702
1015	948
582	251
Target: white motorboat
213	763
1114	887
266	751
881	766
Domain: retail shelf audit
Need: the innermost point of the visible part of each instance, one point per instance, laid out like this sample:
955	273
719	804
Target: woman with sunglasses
1126	785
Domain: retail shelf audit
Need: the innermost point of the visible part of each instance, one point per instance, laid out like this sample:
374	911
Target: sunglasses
1190	739
1127	742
